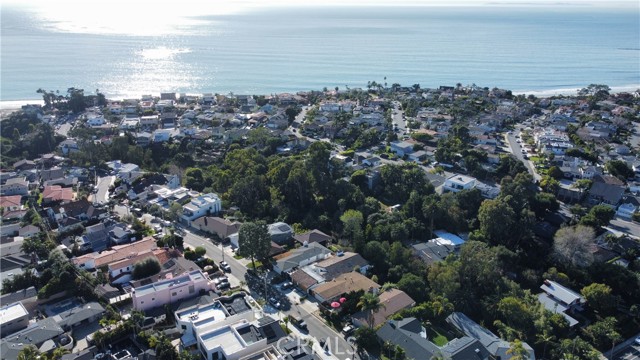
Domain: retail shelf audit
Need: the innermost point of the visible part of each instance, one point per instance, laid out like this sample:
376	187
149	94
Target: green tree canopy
254	241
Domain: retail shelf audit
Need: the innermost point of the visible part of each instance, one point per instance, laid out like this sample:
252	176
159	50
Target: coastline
9	106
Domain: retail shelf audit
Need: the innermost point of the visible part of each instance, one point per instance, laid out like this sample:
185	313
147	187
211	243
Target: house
94	119
15	186
79	209
200	206
393	301
56	193
447	238
560	300
13	317
458	183
168	120
280	232
402	148
120	234
409	334
161	135
130	123
51	174
341	263
216	225
313	236
143	138
78	315
28	231
346	283
45	335
300	257
149	121
121	271
27	297
431	252
23	165
11	203
170	291
96	238
96	260
68	146
606	190
497	347
372	161
626	210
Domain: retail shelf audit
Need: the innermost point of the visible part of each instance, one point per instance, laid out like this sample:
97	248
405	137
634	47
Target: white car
637	340
225	266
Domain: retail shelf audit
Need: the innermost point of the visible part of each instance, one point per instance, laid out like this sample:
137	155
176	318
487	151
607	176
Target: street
317	328
101	195
516	149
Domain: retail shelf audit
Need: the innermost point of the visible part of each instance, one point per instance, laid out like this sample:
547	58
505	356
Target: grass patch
258	265
437	335
237	257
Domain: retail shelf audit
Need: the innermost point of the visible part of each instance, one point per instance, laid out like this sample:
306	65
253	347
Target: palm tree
545	338
29	352
517	351
371	303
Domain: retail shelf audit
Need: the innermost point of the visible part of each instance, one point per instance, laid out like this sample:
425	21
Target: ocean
526	49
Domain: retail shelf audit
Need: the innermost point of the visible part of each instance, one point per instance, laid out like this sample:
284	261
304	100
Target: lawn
437	335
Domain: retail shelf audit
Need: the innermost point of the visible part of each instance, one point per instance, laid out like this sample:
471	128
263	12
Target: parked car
300	324
220	280
223	286
225	266
286	285
348	329
276	304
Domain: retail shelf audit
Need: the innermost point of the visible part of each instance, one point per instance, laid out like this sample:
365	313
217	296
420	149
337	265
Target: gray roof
19	295
563	294
431	252
489	340
78	314
465	348
299	255
36	334
409	334
555	306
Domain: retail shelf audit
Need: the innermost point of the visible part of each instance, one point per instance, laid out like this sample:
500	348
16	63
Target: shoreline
8	106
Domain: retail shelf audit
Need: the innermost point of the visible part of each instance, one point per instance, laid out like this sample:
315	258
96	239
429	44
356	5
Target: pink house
169	291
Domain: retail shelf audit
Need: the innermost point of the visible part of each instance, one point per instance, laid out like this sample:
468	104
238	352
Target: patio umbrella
343	299
335	304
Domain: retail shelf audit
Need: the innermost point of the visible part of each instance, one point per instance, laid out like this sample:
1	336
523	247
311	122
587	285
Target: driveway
80	335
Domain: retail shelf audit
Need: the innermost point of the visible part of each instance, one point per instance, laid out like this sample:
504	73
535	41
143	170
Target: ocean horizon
542	51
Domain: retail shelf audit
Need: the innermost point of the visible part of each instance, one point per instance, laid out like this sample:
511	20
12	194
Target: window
174	293
184	327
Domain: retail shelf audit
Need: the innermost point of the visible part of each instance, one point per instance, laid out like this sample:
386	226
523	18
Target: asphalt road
317	328
516	149
102	195
213	251
397	118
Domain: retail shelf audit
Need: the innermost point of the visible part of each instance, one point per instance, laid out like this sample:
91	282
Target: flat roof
447	238
161	285
200	316
11	312
225	337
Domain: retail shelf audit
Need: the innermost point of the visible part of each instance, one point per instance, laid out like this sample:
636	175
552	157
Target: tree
543	203
620	169
549	184
370	302
555	172
517	351
145	268
352	221
254	241
414	286
599	215
573	244
29	352
603	332
598	297
165	350
497	219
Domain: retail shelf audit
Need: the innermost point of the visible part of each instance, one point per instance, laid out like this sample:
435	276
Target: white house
458	183
96	119
149	120
302	256
161	135
626	210
130	123
15	186
170	291
13	317
401	148
200	206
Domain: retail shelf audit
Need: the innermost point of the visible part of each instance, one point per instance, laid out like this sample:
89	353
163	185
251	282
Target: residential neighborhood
380	223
